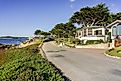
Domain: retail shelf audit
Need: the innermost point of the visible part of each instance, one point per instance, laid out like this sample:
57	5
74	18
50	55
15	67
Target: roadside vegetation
94	42
26	64
114	52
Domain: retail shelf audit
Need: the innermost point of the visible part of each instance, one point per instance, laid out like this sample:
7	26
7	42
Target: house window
119	29
98	32
79	33
114	31
89	31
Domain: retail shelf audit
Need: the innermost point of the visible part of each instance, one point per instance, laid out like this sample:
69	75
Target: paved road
84	64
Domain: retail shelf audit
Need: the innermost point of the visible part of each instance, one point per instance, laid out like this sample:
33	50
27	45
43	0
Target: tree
40	32
64	30
58	30
37	32
113	17
70	29
118	16
91	16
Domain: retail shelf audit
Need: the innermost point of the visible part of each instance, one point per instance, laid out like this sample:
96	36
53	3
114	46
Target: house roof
113	23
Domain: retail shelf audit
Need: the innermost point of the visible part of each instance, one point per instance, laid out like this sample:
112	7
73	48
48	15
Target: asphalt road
84	64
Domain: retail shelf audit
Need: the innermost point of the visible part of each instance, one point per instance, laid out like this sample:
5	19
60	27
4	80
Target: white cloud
72	0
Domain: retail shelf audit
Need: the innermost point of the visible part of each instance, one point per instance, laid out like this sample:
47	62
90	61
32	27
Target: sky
23	17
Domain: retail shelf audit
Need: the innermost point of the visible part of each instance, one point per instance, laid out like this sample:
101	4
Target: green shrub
76	41
94	41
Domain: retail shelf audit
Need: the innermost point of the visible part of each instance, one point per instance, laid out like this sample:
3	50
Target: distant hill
12	37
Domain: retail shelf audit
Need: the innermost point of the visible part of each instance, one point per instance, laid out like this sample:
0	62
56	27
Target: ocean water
10	41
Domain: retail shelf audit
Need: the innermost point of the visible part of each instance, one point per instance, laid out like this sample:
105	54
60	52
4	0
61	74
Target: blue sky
23	17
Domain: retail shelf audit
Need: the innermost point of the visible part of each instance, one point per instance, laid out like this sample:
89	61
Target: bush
68	40
94	41
76	41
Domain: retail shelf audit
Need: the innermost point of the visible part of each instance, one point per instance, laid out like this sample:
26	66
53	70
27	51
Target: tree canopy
37	32
40	32
64	30
90	16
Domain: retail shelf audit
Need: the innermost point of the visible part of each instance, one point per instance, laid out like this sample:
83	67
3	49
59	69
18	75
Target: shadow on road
56	50
116	72
53	51
57	56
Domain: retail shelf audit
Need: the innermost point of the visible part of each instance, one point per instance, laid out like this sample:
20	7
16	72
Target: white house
115	29
92	33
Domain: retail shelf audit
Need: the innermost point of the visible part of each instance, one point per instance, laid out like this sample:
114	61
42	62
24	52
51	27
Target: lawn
114	52
26	64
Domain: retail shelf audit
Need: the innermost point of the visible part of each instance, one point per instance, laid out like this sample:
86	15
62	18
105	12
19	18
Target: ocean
10	41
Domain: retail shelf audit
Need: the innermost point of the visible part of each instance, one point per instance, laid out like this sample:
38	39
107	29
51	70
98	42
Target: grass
114	52
26	64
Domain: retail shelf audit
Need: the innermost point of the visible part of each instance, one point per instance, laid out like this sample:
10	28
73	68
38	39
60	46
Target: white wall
92	38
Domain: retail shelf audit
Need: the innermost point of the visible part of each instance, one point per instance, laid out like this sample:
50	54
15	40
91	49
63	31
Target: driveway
84	64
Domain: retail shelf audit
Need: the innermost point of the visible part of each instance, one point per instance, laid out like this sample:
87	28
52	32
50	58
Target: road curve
84	64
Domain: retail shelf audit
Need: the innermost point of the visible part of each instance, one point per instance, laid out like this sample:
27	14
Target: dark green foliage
111	49
94	41
64	30
91	16
39	32
109	37
26	64
76	41
48	39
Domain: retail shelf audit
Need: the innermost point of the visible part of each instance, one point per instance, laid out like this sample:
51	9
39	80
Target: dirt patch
2	56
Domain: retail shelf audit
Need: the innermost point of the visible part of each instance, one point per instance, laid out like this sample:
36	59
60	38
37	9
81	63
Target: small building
92	33
115	30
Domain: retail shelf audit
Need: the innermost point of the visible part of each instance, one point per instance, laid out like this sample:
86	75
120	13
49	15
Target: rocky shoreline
5	46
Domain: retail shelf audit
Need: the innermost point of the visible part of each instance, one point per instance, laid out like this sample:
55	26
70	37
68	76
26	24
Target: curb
112	56
42	51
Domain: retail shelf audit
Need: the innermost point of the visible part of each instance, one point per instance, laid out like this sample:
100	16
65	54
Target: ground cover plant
114	52
26	64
